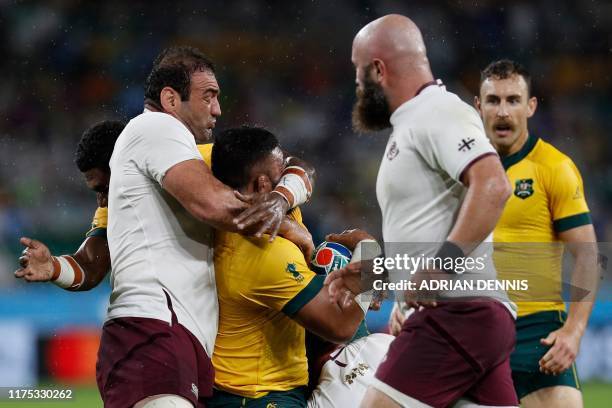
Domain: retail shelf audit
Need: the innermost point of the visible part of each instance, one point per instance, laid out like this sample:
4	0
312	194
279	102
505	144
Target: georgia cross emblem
393	151
523	188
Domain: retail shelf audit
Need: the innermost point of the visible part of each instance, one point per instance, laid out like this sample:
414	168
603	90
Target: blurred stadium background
281	64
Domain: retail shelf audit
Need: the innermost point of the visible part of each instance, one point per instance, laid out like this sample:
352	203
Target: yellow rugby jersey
548	198
99	223
206	152
260	285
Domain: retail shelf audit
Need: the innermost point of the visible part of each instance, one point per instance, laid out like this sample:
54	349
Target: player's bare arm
300	236
330	315
565	342
192	183
295	187
488	190
36	262
328	319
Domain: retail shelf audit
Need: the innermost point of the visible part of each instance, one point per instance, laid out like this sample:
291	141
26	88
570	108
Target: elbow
339	337
501	190
342	332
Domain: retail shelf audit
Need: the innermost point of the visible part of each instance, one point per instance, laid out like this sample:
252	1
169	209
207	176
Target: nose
503	110
216	108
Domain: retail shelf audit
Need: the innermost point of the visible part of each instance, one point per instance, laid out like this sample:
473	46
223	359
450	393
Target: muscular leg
560	396
164	401
375	398
463	403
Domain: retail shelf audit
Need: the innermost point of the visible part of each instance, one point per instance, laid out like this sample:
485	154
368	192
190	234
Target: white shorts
345	378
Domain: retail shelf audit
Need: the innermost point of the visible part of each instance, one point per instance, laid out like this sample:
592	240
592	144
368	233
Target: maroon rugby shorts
141	357
459	349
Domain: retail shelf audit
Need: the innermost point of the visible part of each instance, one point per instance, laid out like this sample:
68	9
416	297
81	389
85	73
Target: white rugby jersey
156	246
344	380
435	138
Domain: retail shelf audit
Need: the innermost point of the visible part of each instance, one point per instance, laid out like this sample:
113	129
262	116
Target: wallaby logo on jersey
523	188
292	270
393	151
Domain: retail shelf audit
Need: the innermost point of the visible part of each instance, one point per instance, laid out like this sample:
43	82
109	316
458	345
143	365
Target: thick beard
371	110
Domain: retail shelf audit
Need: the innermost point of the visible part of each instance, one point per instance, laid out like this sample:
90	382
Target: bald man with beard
440	181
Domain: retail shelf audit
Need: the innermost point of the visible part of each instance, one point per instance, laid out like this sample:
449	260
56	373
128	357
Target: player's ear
477	103
532	105
170	99
379	73
264	184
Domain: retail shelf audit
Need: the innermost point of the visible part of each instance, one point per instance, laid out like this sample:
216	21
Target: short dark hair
173	67
504	69
96	145
237	150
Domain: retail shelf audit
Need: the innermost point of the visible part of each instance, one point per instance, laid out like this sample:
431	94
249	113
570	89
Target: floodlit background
284	65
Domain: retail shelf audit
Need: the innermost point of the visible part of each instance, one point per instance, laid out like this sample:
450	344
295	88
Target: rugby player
91	261
268	296
440	180
548	206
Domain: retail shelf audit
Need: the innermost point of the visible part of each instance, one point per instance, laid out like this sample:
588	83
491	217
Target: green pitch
82	397
596	395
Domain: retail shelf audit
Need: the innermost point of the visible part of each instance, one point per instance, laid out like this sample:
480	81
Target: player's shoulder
447	110
549	157
459	109
154	122
282	250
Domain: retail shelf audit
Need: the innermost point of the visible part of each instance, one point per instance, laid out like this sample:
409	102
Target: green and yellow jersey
99	223
548	198
261	285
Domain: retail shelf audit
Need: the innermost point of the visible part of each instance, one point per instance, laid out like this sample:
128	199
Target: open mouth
502	129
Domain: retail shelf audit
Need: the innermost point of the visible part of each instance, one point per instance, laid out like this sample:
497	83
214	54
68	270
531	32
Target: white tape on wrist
375	250
295	186
67	273
365	299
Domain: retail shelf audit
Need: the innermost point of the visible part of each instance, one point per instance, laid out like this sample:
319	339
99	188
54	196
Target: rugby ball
329	256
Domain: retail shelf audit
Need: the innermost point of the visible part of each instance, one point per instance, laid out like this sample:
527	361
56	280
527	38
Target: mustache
505	123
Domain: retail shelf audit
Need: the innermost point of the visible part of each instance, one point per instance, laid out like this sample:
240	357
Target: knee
164	401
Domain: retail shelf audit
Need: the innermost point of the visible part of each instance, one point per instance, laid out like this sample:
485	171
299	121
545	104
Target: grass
82	397
596	395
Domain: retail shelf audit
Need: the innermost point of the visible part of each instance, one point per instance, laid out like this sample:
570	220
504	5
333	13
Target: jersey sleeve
165	143
285	283
99	223
568	205
455	143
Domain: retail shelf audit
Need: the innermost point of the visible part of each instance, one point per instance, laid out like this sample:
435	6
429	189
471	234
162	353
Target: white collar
407	106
